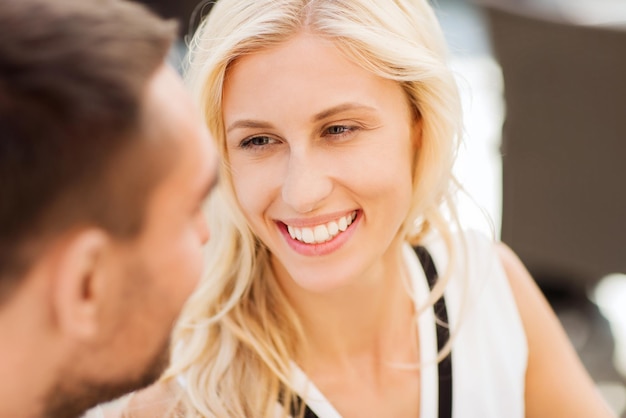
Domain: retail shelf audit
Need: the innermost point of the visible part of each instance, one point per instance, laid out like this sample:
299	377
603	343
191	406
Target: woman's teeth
321	233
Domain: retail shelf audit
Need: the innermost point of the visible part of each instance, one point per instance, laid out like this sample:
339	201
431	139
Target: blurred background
543	84
544	90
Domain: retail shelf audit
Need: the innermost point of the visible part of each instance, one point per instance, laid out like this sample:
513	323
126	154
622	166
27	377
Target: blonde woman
338	285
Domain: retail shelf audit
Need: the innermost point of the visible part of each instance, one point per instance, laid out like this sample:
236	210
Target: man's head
104	166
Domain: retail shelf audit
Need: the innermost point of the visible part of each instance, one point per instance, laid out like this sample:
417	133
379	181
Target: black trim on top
443	335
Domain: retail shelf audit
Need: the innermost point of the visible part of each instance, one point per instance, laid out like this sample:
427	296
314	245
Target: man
104	166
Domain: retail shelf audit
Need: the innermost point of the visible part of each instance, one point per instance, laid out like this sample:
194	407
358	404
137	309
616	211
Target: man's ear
78	278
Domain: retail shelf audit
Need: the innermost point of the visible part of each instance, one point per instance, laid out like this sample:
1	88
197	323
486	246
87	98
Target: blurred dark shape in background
181	10
563	148
563	143
188	13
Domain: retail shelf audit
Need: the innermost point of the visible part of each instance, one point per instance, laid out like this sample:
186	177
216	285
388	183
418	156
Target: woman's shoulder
557	383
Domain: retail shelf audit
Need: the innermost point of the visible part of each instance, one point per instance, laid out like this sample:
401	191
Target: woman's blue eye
260	140
256	141
338	130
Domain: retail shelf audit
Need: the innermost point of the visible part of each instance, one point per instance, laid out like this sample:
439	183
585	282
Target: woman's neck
369	319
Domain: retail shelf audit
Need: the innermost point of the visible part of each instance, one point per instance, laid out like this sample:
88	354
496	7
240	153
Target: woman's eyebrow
248	123
340	108
251	123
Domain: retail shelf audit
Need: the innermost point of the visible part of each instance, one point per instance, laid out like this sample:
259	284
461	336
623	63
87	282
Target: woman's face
321	153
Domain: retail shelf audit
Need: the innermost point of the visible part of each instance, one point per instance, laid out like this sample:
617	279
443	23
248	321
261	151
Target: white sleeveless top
489	352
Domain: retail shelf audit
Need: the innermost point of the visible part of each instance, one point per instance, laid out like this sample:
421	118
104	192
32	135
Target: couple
335	285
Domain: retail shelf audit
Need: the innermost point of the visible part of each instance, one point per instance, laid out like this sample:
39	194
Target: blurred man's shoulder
161	400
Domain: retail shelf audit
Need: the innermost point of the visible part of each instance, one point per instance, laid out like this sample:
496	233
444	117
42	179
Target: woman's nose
307	183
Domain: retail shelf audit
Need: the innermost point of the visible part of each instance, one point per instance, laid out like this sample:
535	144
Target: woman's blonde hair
237	335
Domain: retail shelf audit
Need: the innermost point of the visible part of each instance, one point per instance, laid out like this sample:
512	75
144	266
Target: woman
338	123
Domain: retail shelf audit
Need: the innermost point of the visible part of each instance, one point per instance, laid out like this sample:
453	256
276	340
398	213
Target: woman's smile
321	238
318	234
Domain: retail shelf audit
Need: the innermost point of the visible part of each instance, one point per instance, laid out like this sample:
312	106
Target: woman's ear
77	278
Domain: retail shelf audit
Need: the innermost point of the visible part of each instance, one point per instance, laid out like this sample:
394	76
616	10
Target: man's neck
22	388
26	359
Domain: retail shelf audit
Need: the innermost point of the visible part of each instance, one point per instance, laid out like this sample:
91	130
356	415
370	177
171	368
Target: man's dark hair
73	74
